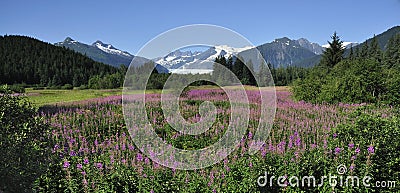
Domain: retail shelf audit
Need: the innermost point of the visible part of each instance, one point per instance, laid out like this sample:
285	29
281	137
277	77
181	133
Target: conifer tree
392	53
374	51
351	54
364	51
334	53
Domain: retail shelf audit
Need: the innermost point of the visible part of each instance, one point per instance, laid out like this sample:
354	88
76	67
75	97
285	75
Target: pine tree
229	62
351	54
334	53
364	51
375	51
237	68
392	53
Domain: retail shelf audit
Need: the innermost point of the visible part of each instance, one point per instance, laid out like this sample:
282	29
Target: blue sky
128	25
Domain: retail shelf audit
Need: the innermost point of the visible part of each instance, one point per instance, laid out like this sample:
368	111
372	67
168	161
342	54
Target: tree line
33	62
364	74
266	75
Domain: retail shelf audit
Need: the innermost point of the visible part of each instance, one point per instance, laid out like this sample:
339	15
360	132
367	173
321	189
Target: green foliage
30	61
15	88
266	75
365	77
67	87
369	130
284	76
147	77
334	53
22	146
108	81
392	53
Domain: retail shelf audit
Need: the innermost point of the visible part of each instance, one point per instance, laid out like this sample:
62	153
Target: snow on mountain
196	62
346	45
108	48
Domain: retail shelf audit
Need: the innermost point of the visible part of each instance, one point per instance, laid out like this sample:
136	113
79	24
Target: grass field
48	97
51	97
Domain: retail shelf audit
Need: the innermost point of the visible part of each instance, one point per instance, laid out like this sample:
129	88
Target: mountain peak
98	42
108	48
68	39
283	40
303	40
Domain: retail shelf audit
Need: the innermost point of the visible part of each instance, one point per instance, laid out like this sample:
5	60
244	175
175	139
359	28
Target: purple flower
357	150
83	173
351	145
313	146
334	135
250	135
352	167
371	149
66	164
79	166
99	165
337	150
139	157
86	161
353	157
72	153
298	142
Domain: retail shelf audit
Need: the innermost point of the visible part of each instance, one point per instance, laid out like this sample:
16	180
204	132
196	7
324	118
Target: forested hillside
28	60
367	75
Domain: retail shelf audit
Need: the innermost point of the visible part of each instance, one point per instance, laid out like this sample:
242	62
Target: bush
22	145
38	88
67	87
379	133
15	88
82	87
350	81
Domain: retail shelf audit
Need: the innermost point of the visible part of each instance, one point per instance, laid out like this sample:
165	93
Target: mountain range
105	53
281	52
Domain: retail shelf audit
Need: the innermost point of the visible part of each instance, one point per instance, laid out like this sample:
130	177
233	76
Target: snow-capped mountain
196	62
346	45
280	52
106	53
111	49
177	58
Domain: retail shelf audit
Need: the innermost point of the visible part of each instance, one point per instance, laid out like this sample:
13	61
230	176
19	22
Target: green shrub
15	88
38	88
382	135
22	145
82	87
350	81
67	87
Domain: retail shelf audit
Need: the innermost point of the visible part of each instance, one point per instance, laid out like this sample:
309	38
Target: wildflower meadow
92	151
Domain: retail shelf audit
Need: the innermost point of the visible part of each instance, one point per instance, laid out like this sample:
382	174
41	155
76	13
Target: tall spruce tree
334	53
392	53
375	51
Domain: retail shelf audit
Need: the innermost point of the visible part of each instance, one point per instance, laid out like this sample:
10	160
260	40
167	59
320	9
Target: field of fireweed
93	151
